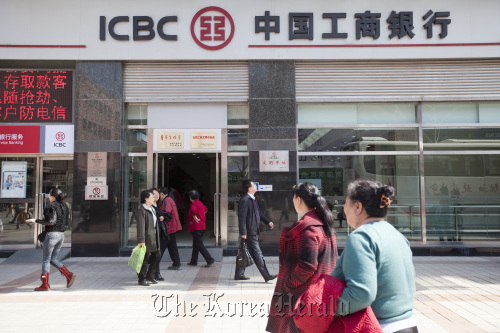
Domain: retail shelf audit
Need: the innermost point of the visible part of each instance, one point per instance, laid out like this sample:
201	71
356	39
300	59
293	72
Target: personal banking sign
261	29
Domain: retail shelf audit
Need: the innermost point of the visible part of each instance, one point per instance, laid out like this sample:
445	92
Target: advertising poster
14	179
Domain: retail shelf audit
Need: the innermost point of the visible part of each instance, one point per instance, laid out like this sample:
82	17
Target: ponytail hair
309	193
374	196
58	194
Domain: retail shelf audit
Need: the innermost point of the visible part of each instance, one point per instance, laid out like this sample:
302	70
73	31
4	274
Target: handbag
137	258
163	230
41	236
243	258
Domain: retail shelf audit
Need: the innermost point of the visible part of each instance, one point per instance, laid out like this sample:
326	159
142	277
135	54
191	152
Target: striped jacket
305	252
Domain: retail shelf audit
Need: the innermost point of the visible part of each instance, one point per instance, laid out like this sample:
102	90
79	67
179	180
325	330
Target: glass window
237	114
380	139
237	170
136	140
461	197
450	113
16	210
136	114
237	139
310	114
134	184
333	173
448	139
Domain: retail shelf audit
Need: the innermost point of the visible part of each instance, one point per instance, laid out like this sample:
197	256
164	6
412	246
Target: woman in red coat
307	249
196	226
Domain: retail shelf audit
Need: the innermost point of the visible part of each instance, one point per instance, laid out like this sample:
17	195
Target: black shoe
151	280
243	277
158	277
192	264
174	268
270	277
210	263
143	283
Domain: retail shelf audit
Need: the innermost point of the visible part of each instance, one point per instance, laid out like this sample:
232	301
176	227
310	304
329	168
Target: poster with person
13	179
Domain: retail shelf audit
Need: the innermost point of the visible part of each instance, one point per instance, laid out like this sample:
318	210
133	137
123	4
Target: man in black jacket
249	218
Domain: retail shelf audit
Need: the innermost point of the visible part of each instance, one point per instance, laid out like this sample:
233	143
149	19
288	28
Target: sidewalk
454	294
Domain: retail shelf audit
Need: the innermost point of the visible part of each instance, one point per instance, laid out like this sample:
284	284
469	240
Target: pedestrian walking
55	221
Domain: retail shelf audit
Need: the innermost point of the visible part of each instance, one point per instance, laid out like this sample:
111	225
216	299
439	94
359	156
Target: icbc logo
212	28
60	136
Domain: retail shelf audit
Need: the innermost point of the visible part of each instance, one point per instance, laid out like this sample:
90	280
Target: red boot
70	277
45	283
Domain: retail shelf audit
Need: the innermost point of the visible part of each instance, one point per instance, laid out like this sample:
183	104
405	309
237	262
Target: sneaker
174	268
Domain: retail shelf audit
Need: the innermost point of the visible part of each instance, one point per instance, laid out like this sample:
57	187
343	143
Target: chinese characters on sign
96	188
368	24
170	140
36	96
274	161
19	139
204	140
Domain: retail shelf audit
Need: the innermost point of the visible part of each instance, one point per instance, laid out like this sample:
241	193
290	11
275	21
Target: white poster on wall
14	179
274	161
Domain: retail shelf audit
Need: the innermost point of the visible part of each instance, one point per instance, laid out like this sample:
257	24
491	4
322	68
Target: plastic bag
243	258
137	258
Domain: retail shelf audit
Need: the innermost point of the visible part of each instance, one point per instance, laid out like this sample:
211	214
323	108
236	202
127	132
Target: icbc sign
212	28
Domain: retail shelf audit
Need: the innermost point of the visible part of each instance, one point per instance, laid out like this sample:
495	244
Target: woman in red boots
55	220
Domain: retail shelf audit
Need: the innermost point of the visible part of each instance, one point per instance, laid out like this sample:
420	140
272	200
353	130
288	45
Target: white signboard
186	140
265	188
96	193
14	179
59	139
260	29
274	160
96	168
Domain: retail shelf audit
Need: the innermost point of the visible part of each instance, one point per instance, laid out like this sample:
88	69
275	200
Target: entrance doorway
192	171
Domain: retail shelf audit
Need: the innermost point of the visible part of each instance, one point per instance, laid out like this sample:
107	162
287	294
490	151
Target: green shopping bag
137	258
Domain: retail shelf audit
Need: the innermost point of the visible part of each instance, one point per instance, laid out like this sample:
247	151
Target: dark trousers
199	247
151	260
258	258
173	251
163	247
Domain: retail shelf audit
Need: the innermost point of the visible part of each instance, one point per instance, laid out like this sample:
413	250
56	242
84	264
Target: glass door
56	173
17	200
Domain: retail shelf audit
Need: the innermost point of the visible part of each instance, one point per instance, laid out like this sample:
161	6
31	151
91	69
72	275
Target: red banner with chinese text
19	139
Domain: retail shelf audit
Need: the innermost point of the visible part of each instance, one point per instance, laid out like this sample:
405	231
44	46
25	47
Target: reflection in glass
332	174
449	139
380	139
134	184
136	115
14	211
237	114
462	197
237	171
237	139
136	140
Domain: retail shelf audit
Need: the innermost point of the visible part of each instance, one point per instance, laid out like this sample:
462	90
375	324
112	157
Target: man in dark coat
249	218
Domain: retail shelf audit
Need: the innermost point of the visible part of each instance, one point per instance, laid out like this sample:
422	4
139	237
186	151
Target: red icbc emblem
212	28
60	136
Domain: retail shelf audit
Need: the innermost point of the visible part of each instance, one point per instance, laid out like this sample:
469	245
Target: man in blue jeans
249	218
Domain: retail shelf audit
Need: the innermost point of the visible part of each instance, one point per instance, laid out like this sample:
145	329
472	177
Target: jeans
51	246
